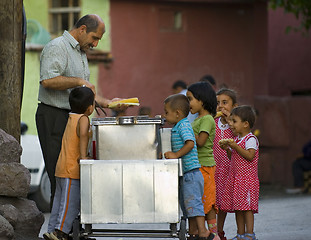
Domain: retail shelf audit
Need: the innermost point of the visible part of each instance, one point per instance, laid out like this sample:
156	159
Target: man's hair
246	113
208	78
144	111
228	92
179	83
178	102
80	99
204	92
90	21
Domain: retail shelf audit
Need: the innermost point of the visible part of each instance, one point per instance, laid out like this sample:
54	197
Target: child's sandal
250	236
238	237
193	237
210	237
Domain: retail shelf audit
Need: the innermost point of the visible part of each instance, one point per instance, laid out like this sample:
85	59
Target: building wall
217	39
284	115
289	56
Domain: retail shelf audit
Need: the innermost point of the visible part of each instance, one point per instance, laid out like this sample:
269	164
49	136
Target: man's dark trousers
51	123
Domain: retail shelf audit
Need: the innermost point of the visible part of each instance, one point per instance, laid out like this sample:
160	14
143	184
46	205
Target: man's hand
104	102
119	107
89	85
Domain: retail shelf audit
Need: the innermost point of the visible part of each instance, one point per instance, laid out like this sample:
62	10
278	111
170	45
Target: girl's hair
178	102
228	92
80	99
204	92
246	113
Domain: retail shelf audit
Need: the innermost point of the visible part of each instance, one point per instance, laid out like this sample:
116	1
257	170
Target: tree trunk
10	65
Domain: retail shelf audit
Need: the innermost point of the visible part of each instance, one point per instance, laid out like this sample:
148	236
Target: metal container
127	138
122	191
130	183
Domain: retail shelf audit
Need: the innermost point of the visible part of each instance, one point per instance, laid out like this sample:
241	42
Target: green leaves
301	10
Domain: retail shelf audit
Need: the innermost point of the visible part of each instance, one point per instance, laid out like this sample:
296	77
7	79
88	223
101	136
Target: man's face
91	39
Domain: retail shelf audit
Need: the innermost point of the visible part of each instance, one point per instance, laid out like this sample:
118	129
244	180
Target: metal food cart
130	183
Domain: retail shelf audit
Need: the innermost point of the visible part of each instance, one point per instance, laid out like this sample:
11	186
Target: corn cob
129	101
218	114
226	141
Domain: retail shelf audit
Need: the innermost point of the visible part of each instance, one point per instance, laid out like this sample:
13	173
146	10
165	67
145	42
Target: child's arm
248	154
83	132
183	151
201	138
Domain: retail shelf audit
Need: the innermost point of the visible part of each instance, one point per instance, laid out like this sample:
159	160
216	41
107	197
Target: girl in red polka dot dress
242	189
226	101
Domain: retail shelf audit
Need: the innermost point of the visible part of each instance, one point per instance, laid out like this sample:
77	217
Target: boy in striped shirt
191	183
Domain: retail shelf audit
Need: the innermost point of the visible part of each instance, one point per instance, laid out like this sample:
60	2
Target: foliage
300	8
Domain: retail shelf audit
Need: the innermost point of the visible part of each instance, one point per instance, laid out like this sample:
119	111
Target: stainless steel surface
165	140
126	120
127	138
122	191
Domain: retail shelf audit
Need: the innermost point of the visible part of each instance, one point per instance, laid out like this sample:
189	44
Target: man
181	87
301	165
63	66
210	79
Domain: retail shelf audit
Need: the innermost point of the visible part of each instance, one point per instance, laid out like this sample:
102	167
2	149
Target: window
63	14
170	20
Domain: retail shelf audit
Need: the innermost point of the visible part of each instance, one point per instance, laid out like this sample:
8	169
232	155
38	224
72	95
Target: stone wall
20	218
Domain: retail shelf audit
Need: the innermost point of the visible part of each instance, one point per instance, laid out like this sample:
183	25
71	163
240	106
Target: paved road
280	217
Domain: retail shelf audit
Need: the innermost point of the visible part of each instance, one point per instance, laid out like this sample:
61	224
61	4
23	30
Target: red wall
225	40
289	56
284	119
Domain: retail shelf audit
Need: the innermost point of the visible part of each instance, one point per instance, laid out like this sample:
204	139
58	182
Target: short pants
209	195
191	187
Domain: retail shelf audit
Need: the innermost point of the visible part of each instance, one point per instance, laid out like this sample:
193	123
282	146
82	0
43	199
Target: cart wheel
182	235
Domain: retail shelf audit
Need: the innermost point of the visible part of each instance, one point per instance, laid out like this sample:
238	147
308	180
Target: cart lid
127	120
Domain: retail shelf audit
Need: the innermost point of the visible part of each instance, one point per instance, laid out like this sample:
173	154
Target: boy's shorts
209	193
190	193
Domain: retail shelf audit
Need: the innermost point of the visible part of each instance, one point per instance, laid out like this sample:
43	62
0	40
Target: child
66	204
242	190
203	101
226	101
184	147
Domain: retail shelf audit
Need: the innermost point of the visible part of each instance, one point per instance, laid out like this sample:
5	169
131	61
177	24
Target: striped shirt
61	57
182	132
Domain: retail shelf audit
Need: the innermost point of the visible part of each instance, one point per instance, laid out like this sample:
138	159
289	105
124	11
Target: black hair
228	92
90	21
178	102
24	128
208	78
80	99
204	92
179	83
246	113
144	111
